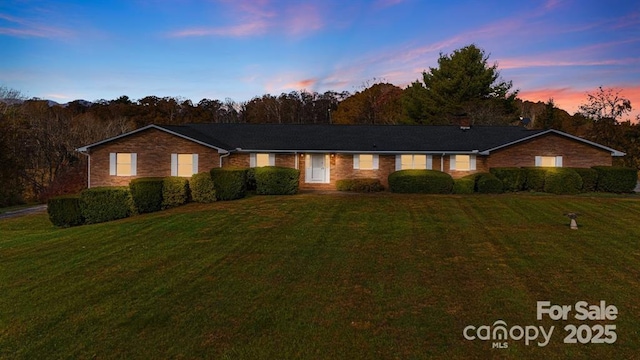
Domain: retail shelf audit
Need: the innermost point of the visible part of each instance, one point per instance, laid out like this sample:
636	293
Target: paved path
637	189
26	211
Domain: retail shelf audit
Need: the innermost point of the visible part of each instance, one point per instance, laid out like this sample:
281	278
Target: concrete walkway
637	189
26	211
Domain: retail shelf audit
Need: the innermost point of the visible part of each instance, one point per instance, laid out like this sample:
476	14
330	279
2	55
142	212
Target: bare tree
606	104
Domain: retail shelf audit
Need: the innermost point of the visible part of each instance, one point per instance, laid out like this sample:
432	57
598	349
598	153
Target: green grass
382	276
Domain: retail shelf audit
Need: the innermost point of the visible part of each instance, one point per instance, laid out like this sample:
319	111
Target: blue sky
238	49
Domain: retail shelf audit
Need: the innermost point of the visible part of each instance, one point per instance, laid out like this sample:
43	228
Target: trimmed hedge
534	178
251	179
65	211
175	192
147	194
561	181
589	178
420	181
487	183
202	188
616	179
359	185
103	204
464	185
273	180
513	179
229	183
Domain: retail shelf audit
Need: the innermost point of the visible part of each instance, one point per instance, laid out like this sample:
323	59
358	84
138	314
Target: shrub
562	181
65	211
487	183
251	179
420	181
534	178
512	178
202	189
102	204
616	179
229	183
273	180
175	191
147	194
589	178
359	185
464	185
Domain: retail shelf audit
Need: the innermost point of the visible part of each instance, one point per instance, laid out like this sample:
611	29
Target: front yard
379	276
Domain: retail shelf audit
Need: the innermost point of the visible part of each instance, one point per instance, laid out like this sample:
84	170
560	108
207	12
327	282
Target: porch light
573	216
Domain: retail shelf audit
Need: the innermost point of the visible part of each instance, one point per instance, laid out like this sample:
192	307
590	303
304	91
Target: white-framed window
549	161
123	164
366	161
262	159
462	162
413	161
184	165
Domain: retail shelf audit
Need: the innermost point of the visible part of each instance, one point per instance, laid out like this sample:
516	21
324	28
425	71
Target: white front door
317	168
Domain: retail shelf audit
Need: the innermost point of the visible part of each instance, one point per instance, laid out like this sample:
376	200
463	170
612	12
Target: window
413	161
122	164
462	162
549	161
365	161
262	159
184	165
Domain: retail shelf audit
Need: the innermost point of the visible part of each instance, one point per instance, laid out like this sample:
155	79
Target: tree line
38	141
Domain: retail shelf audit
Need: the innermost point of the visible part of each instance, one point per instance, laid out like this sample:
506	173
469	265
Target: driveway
26	211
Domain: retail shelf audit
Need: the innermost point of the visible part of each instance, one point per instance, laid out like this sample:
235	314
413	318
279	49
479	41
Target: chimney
464	122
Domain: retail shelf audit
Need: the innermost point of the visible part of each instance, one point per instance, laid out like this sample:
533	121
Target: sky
239	49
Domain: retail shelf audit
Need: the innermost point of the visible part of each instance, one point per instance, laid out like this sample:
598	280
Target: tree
377	104
464	84
606	104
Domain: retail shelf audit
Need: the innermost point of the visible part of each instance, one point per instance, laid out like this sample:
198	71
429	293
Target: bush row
568	180
550	180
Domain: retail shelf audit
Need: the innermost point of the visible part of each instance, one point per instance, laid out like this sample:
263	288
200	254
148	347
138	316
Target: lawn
311	276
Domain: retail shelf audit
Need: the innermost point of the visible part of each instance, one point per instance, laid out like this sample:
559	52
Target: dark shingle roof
356	138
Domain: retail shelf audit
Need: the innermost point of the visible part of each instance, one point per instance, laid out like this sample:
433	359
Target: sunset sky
238	49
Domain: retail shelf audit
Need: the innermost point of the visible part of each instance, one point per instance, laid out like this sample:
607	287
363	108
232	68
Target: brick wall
574	153
153	148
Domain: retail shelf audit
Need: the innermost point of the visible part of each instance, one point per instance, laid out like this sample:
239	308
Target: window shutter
452	162
538	160
112	163
398	162
195	163
429	162
252	160
356	161
272	159
376	162
558	161
174	164
134	164
472	162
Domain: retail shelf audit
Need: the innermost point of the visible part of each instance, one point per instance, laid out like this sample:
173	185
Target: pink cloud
254	18
570	99
25	28
306	84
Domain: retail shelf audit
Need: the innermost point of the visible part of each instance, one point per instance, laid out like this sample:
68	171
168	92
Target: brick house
327	153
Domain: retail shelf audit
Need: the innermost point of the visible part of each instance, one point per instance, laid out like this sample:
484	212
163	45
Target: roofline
614	152
431	152
84	149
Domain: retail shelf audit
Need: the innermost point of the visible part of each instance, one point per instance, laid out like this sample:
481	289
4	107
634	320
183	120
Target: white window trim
174	164
375	165
399	162
472	163
558	163
253	159
113	164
